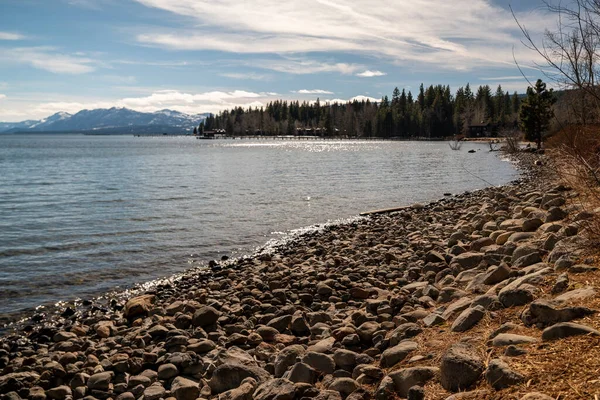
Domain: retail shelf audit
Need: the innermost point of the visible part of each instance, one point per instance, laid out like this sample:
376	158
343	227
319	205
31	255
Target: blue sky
200	56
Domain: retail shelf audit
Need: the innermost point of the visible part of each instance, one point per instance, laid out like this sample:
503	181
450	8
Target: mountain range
108	121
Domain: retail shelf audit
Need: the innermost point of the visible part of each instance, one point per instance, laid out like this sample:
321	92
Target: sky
199	56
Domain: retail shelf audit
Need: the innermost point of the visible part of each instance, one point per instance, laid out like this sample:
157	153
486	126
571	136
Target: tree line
434	113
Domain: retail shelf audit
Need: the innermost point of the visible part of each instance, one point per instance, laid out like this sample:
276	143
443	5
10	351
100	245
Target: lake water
81	215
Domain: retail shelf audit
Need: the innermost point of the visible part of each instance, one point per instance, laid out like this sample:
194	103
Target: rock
299	326
433	319
515	297
138	306
230	376
406	378
394	355
506	339
460	368
527	260
496	274
543	313
203	346
344	386
167	371
301	372
404	331
562	284
154	392
456	308
286	358
386	389
532	224
435	257
58	393
567	329
468	318
499	375
468	260
280	323
576	294
243	392
275	389
185	389
345	359
205	316
320	362
366	331
100	381
328	395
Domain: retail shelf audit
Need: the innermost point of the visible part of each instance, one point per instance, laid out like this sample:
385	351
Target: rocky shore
485	295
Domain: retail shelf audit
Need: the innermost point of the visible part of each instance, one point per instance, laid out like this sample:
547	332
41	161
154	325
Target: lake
82	215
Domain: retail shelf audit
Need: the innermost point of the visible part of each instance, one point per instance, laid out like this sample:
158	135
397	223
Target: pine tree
536	111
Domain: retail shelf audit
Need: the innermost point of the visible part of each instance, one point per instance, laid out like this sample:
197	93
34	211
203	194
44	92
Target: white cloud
2	96
248	75
313	91
48	59
459	34
300	66
11	36
370	74
190	103
505	78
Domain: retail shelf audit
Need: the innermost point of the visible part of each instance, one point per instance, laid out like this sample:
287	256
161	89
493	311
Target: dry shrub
576	151
512	138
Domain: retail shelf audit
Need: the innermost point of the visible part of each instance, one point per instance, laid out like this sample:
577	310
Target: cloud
370	74
48	59
2	96
299	66
190	103
313	91
11	36
505	78
248	75
459	35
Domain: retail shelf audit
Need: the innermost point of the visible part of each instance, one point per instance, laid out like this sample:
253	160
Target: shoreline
359	295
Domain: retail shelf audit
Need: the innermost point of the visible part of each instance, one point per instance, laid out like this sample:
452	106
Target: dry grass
565	369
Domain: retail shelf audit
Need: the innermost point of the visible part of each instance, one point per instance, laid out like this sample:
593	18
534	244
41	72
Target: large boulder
138	306
499	375
230	376
276	389
461	367
567	329
394	355
205	316
406	378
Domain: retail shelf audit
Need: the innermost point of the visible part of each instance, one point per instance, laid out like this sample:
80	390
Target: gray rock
433	319
320	362
500	376
386	389
406	378
167	371
286	358
154	392
562	284
344	386
301	372
460	368
496	274
506	339
100	381
468	260
416	393
58	393
396	354
205	316
515	297
527	260
185	389
345	359
280	323
230	376
543	313
366	331
468	318
567	329
404	331
276	389
456	308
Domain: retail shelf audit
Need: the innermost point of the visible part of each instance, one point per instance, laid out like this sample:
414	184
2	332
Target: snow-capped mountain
112	119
